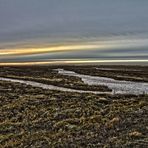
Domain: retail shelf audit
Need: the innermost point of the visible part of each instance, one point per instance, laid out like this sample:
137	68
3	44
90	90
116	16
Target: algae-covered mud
34	115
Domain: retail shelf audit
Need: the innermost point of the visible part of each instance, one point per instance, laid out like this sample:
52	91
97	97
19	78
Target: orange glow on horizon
72	47
69	62
28	51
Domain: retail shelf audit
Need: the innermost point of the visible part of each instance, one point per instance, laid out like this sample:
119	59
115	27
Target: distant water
118	87
121	87
49	87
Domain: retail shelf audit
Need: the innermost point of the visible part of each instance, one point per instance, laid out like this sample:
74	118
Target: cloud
54	29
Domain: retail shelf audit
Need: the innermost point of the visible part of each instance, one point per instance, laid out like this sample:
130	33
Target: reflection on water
123	87
50	87
118	87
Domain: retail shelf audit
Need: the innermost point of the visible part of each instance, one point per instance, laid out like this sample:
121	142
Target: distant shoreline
115	62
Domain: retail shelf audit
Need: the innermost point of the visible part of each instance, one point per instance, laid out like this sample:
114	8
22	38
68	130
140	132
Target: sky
73	31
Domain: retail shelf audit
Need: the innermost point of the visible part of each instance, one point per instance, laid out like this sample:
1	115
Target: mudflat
35	117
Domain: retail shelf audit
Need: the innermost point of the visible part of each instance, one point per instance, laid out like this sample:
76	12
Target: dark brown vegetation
33	117
48	75
129	73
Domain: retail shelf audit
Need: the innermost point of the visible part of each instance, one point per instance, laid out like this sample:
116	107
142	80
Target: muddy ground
33	117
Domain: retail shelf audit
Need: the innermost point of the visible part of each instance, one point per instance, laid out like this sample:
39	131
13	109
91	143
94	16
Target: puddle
117	86
116	69
50	87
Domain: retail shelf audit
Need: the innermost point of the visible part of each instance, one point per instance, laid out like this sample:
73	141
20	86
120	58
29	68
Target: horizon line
73	62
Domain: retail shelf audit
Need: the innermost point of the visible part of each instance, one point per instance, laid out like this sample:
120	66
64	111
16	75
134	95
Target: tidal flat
36	117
